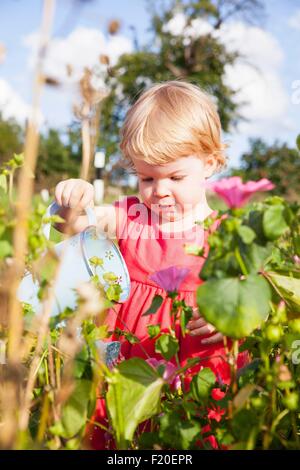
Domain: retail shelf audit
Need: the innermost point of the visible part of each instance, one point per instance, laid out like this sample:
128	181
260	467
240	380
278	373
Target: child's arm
74	195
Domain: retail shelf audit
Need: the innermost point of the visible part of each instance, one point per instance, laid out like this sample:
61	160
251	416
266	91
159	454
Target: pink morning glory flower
236	193
170	278
169	373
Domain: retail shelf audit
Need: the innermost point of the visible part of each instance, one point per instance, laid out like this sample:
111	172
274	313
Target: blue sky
273	48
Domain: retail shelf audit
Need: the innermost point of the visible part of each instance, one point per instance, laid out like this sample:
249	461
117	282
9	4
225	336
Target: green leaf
167	346
153	330
235	306
156	303
74	413
176	433
113	292
202	384
274	224
185	316
5	249
255	256
289	287
133	396
246	234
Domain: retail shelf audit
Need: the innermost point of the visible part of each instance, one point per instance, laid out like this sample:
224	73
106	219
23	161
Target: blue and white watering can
76	269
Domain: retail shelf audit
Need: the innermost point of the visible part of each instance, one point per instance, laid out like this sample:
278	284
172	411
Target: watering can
76	268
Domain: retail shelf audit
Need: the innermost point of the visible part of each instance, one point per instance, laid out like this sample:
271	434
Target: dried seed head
104	59
114	26
90	90
51	81
69	70
91	301
2	52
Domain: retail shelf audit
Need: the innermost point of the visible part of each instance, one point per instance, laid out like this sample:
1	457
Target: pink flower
236	193
217	394
296	259
169	373
171	278
216	413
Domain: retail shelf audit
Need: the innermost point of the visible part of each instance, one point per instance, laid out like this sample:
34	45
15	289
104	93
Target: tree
277	162
59	156
11	138
198	59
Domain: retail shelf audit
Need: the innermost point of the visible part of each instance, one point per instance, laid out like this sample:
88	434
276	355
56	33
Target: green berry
291	401
273	333
294	325
258	403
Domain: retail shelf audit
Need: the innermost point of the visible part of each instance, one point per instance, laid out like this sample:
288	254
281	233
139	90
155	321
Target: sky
267	76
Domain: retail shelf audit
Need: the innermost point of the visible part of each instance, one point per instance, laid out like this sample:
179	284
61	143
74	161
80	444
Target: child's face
175	189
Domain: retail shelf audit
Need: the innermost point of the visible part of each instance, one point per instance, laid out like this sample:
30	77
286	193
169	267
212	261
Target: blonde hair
171	120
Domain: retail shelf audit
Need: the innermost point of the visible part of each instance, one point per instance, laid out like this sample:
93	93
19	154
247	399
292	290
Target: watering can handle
54	207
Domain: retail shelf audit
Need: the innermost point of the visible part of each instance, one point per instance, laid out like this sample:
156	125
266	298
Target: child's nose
161	190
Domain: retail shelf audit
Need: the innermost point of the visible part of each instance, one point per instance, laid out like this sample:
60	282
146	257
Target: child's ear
210	166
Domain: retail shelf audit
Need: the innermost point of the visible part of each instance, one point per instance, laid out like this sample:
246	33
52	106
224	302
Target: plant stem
86	142
240	261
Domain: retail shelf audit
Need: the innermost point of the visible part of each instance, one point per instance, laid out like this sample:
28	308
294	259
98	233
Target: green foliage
11	138
277	162
202	384
201	61
167	346
155	304
235	307
133	396
75	411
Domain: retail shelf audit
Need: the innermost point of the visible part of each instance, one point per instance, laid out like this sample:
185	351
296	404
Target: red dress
146	250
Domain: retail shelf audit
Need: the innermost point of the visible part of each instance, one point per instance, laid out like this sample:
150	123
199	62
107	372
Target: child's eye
177	178
146	180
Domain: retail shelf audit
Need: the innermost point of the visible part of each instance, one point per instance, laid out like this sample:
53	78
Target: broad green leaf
289	287
246	234
235	307
202	384
133	396
255	256
156	303
167	346
74	412
274	223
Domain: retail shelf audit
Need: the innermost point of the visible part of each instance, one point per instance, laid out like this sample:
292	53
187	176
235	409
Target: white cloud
256	75
294	21
11	104
82	48
177	26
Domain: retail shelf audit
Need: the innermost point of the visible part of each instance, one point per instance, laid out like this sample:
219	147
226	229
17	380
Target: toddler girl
171	139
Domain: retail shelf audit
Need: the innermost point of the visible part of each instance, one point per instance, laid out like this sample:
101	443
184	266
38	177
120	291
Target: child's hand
199	327
74	194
